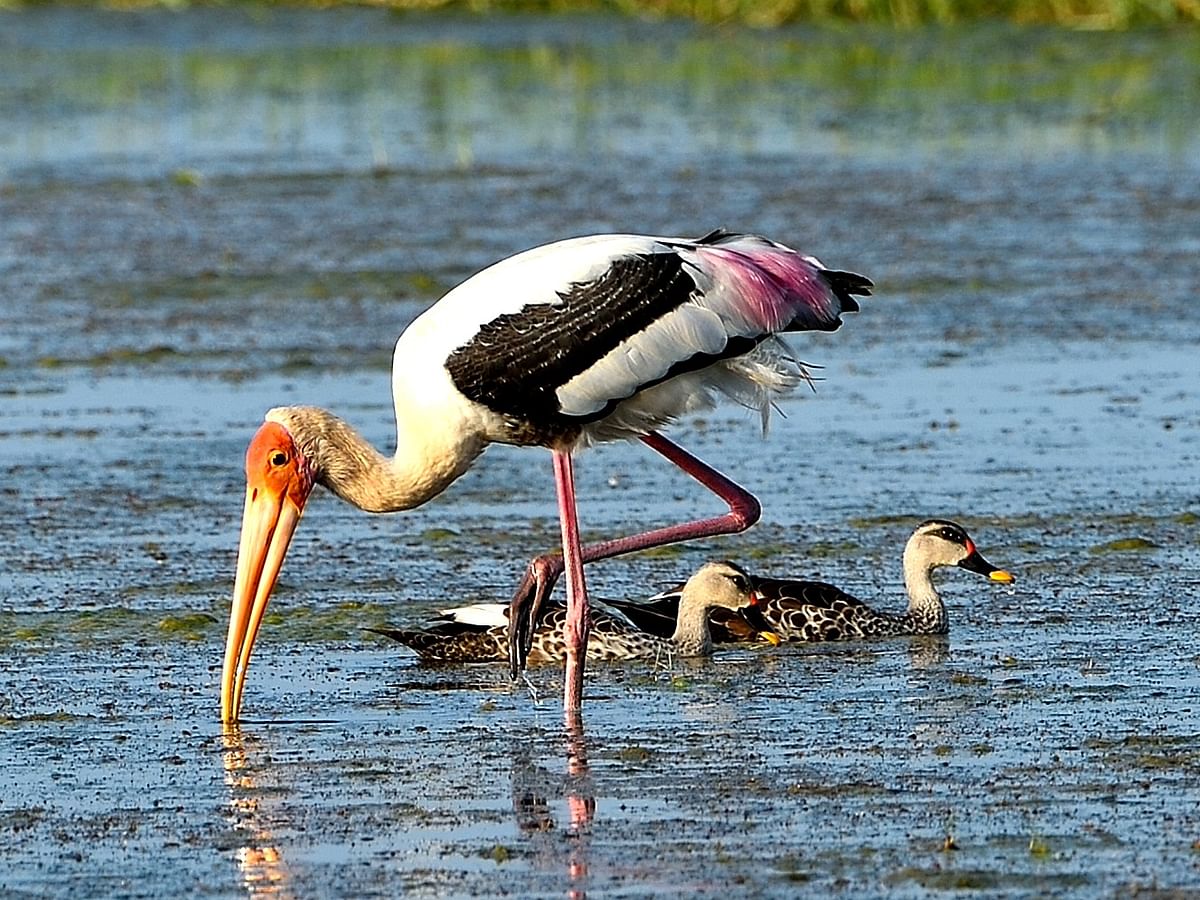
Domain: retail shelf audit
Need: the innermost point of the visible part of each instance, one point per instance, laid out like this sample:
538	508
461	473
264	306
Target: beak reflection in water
260	862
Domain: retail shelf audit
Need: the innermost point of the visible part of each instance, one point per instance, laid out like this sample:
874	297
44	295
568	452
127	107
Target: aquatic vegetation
1091	14
1124	545
189	626
635	754
668	551
499	853
436	535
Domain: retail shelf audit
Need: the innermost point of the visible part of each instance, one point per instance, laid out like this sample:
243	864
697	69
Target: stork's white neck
427	459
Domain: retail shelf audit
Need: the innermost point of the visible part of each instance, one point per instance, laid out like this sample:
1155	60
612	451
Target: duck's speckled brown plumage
456	642
802	611
816	611
613	637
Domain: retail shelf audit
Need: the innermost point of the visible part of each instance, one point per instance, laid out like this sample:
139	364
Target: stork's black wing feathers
517	361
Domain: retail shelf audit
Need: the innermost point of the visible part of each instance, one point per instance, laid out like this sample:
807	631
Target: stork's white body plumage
715	311
581	341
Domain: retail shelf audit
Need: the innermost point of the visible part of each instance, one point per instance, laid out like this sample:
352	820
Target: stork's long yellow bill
277	487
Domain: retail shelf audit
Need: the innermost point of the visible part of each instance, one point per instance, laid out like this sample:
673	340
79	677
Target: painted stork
577	342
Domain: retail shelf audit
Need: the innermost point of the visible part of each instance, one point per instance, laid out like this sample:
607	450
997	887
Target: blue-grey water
207	213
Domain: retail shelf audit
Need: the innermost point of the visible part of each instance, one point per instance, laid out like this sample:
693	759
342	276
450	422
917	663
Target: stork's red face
278	482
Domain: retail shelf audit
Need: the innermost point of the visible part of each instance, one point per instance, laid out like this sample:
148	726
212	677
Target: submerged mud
198	223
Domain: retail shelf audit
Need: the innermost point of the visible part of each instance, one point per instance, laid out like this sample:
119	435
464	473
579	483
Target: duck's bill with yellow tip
278	483
974	562
754	615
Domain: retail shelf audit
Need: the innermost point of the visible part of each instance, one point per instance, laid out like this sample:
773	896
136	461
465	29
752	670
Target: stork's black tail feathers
846	284
843	284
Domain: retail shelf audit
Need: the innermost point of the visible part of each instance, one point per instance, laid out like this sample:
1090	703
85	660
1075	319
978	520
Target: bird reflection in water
533	787
581	803
928	651
260	862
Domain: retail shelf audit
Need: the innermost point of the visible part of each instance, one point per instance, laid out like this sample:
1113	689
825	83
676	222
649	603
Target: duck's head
728	586
940	542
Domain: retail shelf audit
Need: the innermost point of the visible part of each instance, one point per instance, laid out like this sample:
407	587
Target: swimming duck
480	633
798	610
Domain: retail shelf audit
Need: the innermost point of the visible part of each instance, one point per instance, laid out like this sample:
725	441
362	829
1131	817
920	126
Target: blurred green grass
1087	14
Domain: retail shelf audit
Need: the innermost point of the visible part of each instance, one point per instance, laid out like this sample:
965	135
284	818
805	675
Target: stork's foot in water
536	585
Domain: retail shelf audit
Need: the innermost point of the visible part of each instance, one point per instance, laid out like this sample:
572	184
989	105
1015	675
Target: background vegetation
1091	14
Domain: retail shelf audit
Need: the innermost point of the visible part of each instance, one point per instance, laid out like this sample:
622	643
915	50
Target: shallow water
206	214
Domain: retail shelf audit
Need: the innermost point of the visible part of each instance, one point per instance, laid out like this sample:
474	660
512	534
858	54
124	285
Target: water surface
205	214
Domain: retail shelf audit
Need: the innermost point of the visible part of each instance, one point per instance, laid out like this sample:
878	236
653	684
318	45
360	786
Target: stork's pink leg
543	571
578	620
744	508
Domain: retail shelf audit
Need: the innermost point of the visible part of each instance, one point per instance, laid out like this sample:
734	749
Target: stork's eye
741	582
278	458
